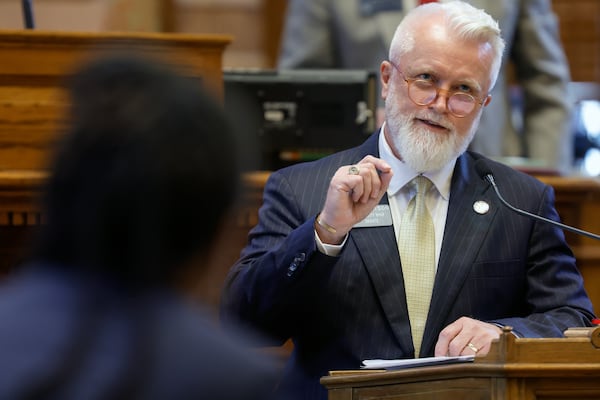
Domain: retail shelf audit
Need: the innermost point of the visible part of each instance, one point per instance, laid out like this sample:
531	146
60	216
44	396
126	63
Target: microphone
28	14
484	171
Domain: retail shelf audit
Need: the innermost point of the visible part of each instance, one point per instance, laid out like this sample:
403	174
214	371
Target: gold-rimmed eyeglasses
423	93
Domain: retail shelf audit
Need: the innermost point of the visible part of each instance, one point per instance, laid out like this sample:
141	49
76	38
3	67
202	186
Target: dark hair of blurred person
139	184
142	178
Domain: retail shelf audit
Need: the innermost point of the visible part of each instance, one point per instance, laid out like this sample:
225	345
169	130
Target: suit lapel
378	250
465	231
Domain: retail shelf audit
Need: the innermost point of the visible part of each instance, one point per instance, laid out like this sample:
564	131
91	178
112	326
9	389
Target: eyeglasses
423	93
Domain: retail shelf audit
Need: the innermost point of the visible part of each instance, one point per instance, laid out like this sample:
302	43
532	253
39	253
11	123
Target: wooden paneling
35	63
86	15
580	34
274	11
244	20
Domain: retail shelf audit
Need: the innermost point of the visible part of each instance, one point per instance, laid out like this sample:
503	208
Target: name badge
380	216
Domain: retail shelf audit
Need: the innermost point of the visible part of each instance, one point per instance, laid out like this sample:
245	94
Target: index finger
380	165
383	175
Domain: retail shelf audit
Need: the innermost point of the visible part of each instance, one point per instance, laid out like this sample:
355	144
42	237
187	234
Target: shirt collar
404	174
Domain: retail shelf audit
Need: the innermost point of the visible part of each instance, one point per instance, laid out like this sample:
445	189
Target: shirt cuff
332	250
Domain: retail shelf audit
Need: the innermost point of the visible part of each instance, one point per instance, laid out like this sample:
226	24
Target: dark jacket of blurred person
139	184
355	34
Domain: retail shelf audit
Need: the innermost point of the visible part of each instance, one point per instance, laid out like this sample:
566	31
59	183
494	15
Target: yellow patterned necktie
417	255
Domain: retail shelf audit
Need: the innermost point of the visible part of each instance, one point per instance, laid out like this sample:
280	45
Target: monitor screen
291	116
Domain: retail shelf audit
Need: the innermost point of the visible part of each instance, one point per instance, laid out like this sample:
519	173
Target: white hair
465	21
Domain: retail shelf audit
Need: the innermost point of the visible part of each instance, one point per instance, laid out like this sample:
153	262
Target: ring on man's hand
472	347
353	170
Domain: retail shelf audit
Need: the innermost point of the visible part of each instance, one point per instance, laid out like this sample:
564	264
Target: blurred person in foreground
355	34
132	204
328	264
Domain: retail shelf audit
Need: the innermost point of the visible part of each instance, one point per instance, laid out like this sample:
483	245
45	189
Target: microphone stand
28	14
490	178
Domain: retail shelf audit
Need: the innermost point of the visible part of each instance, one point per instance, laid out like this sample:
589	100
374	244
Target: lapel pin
481	207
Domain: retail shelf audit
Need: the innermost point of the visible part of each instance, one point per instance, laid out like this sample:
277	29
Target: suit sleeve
271	284
542	70
555	296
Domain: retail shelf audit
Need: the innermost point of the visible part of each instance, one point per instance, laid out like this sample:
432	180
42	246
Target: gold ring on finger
473	347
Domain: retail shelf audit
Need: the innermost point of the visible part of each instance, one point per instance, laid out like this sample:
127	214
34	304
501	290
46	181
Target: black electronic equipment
290	116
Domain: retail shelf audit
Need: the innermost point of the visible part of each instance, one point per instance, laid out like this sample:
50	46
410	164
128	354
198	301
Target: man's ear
385	73
487	100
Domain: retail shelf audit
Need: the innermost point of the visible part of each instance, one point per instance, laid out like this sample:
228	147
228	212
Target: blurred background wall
256	24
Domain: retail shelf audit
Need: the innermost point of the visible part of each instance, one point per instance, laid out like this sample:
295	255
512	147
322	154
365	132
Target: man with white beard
333	263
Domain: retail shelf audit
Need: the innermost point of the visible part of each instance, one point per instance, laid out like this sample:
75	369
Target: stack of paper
414	362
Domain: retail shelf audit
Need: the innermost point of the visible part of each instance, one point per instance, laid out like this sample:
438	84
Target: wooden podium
515	369
33	70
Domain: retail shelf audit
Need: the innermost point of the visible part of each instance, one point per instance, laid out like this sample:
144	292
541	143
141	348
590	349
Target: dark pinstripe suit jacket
498	267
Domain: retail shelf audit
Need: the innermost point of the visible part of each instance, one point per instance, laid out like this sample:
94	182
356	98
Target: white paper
414	362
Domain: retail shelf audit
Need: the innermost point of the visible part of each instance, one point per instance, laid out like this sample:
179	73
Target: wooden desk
515	369
19	214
